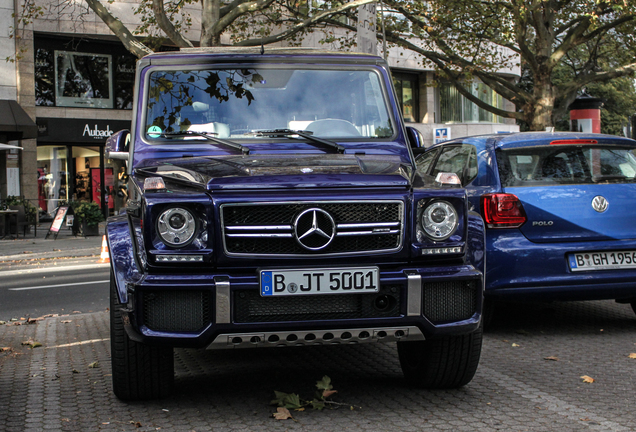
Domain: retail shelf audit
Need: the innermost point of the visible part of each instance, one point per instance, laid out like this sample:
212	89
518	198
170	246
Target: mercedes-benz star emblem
599	204
314	229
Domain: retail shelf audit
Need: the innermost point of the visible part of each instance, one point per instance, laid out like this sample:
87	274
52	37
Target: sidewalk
39	247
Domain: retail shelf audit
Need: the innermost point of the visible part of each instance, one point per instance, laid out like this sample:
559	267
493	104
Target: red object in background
585	114
41	194
96	187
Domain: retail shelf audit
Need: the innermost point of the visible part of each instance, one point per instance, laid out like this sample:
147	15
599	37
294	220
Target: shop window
86	73
83	80
406	86
455	108
52	177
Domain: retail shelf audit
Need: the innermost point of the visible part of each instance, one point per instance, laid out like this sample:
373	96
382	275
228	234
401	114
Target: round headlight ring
439	220
176	226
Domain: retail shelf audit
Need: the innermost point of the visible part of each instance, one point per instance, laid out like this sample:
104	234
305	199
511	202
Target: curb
77	253
51	269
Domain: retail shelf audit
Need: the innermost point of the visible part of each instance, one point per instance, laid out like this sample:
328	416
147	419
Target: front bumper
226	311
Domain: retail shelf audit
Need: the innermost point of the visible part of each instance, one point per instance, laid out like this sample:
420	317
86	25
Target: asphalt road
33	291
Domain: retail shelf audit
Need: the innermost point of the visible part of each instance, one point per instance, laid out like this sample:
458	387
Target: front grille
176	311
250	307
268	229
450	301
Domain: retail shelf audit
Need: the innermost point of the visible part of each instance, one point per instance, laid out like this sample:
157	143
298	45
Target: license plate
290	282
602	260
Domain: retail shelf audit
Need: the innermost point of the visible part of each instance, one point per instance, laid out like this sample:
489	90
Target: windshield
552	165
238	103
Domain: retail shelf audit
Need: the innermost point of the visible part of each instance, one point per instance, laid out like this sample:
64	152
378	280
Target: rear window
549	165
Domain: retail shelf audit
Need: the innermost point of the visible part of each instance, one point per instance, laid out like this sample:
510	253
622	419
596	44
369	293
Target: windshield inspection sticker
154	131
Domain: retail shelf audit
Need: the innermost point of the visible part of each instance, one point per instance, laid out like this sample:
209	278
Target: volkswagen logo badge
599	204
314	229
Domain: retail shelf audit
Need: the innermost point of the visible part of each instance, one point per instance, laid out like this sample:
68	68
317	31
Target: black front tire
140	372
443	362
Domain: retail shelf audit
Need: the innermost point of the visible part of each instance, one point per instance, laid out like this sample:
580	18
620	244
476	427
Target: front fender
123	259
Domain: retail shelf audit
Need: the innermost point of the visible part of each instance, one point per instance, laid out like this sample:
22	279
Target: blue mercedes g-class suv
274	201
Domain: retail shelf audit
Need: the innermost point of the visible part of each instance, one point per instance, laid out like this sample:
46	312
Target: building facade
75	80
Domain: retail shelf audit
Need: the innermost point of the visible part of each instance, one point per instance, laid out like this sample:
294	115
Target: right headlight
439	220
176	226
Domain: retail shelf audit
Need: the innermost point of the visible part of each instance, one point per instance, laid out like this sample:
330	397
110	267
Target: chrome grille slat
266	229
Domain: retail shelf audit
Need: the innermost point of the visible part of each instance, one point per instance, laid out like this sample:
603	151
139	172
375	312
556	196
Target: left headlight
439	220
176	226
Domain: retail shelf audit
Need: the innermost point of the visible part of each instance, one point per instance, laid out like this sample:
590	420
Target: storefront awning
15	123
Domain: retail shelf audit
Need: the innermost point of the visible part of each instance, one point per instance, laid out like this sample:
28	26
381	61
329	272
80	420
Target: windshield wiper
207	135
305	134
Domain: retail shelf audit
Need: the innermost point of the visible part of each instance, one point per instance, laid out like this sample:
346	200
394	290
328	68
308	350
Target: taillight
501	210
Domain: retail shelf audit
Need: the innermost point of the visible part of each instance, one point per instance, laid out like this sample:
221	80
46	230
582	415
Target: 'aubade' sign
78	130
97	133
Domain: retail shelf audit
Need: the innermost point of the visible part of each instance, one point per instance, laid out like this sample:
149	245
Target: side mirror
415	137
118	144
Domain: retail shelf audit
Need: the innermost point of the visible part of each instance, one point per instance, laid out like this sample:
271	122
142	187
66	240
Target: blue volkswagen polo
559	210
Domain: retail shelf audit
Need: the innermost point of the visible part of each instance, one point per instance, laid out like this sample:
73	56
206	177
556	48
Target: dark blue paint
201	177
531	262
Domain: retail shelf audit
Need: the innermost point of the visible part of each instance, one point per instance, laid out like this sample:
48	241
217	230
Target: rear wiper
207	135
305	134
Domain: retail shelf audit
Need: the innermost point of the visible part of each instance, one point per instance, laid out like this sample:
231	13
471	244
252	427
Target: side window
423	161
460	159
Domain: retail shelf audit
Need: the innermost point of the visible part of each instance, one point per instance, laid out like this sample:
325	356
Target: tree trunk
210	15
539	113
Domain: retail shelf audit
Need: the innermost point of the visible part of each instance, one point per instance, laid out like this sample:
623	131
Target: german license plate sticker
608	260
291	282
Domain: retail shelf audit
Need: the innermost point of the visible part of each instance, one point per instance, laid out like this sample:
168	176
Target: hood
283	171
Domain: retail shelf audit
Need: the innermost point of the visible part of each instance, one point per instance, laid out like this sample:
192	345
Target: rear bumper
227	311
520	269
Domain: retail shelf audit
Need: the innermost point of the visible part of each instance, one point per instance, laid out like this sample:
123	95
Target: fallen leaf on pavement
66	321
94	365
515	345
327	393
32	343
632	355
282	413
587	379
3	349
551	358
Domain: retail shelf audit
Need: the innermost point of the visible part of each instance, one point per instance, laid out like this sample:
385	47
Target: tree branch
119	29
244	7
164	24
303	25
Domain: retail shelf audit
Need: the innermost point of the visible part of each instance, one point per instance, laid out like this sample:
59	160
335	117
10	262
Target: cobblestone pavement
529	379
